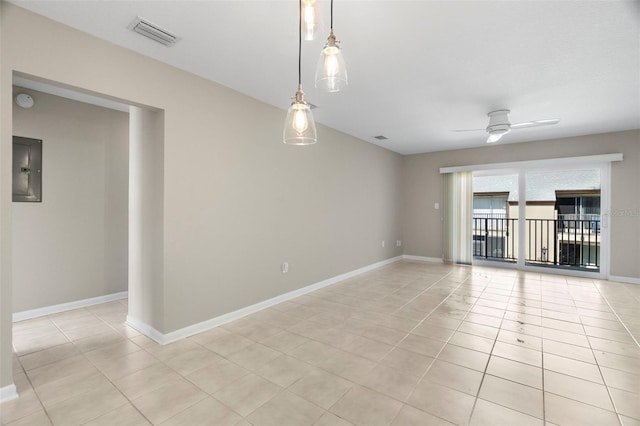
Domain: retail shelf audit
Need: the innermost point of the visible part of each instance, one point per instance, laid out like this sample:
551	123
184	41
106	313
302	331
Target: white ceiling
417	69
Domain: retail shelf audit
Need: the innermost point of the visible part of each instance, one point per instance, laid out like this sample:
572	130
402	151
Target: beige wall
6	294
237	202
146	219
73	244
422	187
536	240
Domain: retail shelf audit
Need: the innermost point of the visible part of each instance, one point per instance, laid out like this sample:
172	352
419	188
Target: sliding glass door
542	218
563	219
495	224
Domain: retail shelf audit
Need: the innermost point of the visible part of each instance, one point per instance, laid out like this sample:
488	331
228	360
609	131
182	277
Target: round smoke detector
24	100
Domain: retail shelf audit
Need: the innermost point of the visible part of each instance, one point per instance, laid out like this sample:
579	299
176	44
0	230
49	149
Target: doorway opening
70	245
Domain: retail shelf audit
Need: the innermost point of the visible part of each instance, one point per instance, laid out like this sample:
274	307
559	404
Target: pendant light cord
300	43
332	15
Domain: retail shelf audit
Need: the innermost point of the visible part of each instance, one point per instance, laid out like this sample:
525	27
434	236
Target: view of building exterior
562	218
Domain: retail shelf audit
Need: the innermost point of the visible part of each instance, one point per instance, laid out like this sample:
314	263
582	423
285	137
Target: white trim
7	393
48	310
494	264
551	162
605	229
594	275
627	280
146	329
553	271
522	215
422	258
190	330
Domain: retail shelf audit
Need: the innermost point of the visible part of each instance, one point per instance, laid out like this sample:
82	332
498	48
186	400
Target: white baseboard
243	312
147	330
48	310
422	258
7	393
627	280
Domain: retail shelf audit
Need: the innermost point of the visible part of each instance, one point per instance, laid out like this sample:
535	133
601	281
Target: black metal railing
495	238
564	242
549	242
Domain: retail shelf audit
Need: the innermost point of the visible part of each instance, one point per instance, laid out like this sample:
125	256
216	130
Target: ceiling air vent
381	138
153	31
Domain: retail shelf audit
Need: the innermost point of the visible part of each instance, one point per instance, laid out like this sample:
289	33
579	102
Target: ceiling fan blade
536	123
468	130
493	138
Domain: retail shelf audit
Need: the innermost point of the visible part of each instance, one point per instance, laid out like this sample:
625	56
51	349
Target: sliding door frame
599	162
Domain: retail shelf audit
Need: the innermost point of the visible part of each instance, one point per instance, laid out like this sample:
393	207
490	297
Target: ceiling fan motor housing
499	122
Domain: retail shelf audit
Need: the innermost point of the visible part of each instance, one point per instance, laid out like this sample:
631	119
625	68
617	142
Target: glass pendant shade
299	126
331	72
310	15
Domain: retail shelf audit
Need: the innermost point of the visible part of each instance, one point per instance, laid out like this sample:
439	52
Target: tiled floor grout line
241	377
542	355
395	346
455	331
542	345
405	336
544	400
616	315
604	381
423	320
163	362
491	354
284	389
116	386
233	381
48	317
46	411
454	291
84	354
421	293
618	415
409	332
487	285
486	367
441	349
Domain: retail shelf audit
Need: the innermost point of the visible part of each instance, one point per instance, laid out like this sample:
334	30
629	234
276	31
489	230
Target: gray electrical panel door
27	169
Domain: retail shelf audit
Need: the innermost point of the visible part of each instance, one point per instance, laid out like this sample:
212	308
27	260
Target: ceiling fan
499	125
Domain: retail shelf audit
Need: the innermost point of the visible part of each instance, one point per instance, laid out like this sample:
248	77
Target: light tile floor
408	344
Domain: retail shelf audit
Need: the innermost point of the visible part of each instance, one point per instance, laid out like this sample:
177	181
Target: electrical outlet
398	243
285	267
436	206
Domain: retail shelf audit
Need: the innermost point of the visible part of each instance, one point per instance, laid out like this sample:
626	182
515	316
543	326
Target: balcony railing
564	242
495	238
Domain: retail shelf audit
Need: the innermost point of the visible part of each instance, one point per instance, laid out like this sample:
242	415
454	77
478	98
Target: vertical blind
458	215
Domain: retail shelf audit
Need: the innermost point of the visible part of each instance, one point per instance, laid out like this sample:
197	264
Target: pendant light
299	127
331	72
310	20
